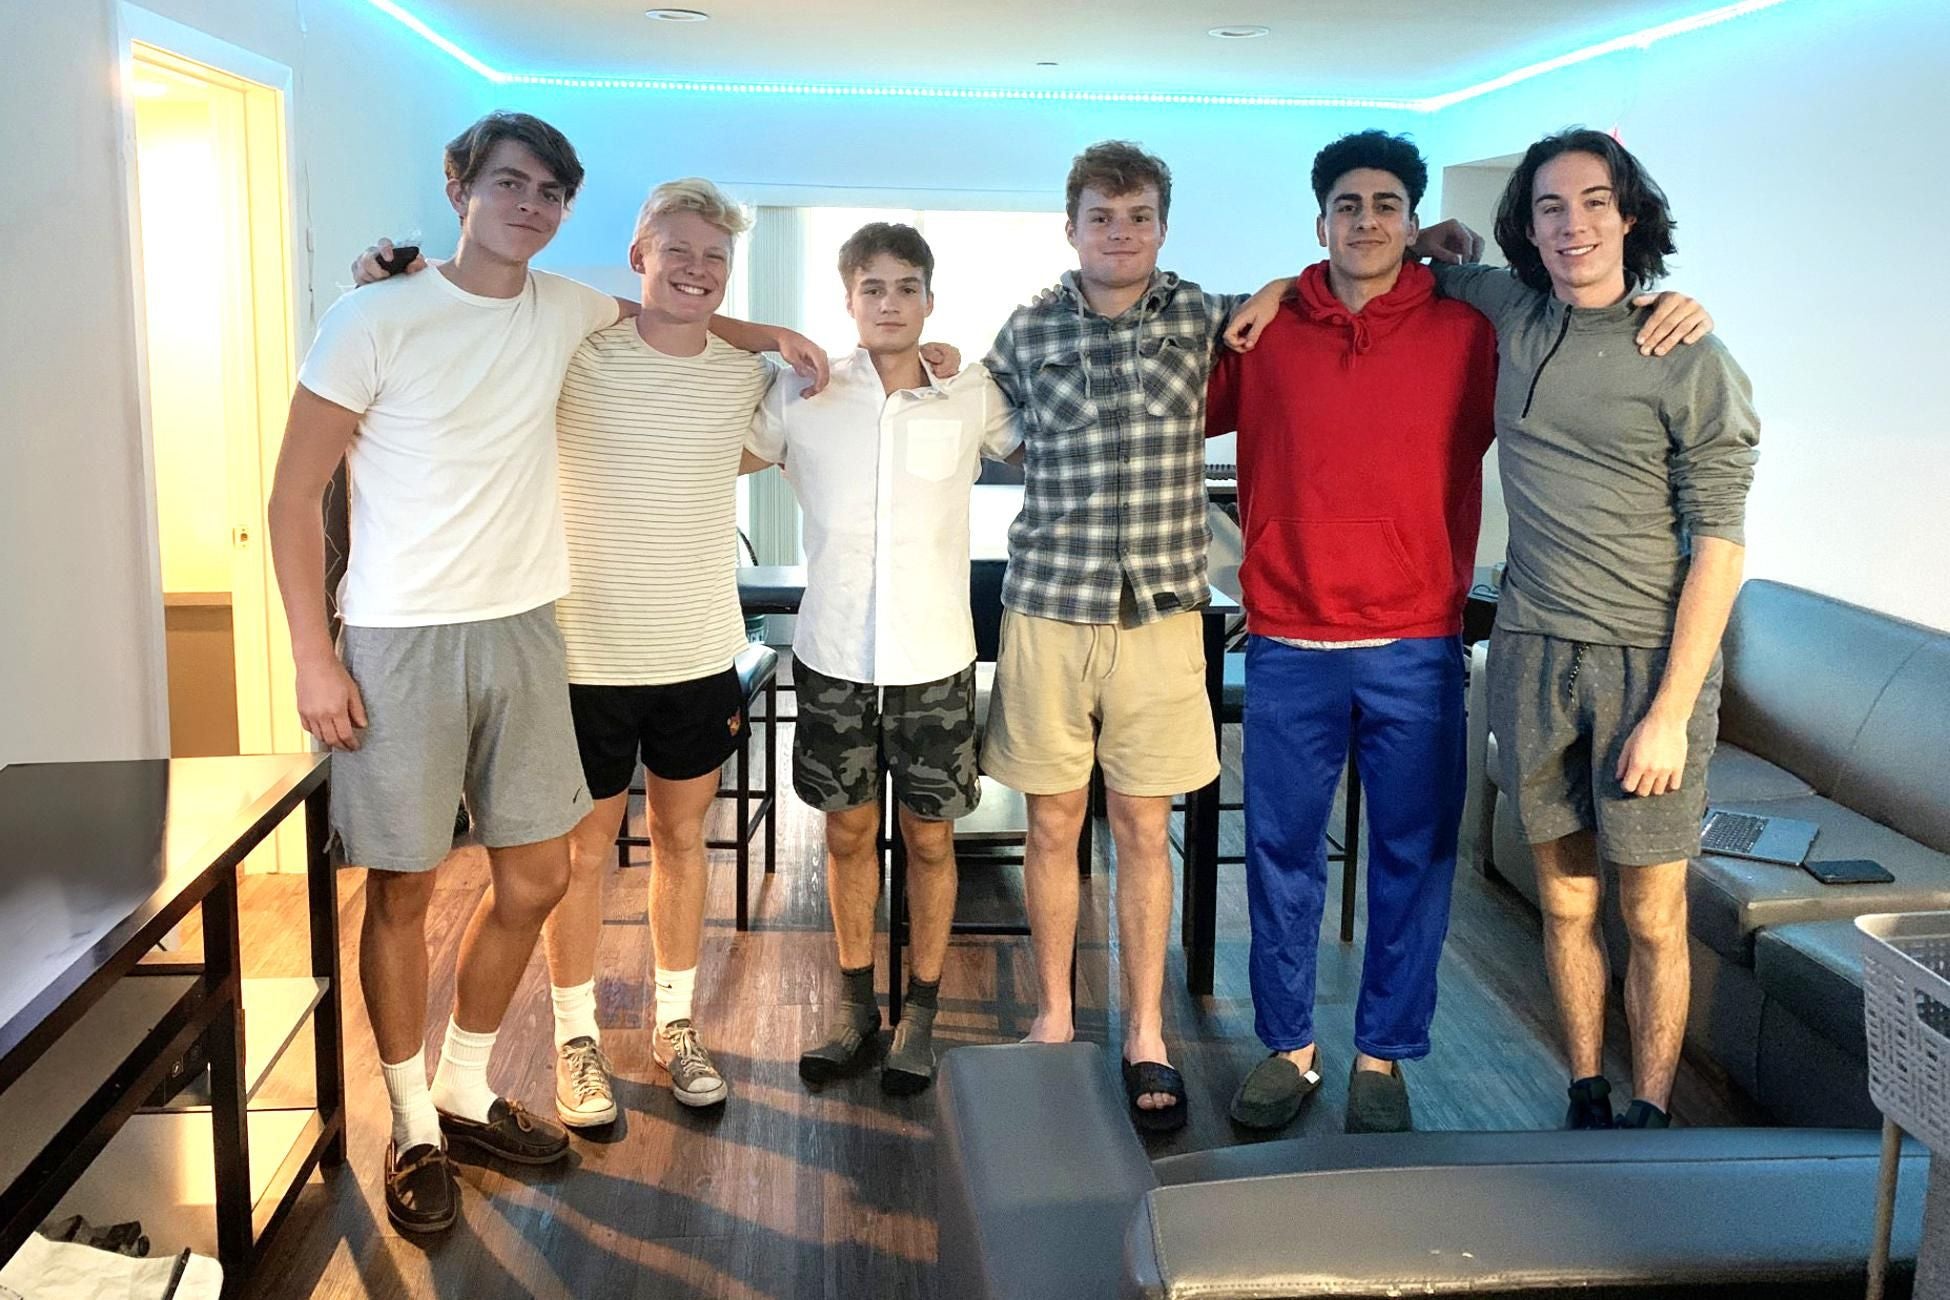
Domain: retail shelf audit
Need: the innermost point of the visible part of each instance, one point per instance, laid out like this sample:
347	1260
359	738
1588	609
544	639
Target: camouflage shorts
849	733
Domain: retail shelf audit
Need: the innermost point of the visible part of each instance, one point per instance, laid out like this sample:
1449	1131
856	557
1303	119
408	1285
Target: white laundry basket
1906	1007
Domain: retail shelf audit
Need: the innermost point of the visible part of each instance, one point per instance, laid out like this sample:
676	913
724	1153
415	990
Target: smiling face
1578	230
1117	237
1367	225
890	302
685	262
513	207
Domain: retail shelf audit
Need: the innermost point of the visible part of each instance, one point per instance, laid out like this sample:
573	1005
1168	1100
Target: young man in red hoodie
1363	414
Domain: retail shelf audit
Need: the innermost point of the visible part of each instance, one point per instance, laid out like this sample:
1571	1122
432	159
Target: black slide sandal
1143	1077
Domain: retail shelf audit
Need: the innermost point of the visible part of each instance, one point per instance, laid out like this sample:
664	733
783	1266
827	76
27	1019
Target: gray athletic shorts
849	733
1562	712
479	710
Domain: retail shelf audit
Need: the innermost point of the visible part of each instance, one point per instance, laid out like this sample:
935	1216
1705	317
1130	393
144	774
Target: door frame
266	706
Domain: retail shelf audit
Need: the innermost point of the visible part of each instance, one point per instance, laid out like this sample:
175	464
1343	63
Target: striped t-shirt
649	448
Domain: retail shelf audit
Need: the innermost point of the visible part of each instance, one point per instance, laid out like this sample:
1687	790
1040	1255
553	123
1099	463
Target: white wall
81	661
1802	149
1242	210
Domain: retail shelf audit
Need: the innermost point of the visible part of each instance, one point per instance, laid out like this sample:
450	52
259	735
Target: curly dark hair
1116	168
877	237
467	153
1647	244
1394	154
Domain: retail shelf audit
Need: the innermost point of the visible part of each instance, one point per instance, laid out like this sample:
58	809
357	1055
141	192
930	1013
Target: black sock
856	986
923	993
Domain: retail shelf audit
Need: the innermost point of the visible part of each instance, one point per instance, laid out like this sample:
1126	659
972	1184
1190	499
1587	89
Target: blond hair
692	194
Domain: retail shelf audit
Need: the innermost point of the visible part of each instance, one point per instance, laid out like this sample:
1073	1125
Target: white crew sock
415	1121
575	1013
674	988
460	1085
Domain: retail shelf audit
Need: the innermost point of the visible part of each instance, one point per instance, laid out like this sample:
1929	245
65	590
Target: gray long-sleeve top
1612	462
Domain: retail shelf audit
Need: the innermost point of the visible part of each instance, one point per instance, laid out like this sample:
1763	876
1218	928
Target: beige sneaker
584	1097
694	1081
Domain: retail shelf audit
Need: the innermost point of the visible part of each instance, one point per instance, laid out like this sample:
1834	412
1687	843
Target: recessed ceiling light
1238	33
677	15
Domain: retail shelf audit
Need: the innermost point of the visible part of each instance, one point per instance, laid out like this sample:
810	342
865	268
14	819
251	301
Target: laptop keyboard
1732	833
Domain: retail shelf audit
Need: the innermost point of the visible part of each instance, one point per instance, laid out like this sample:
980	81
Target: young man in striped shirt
651	429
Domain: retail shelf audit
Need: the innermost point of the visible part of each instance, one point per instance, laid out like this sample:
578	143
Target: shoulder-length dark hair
1647	244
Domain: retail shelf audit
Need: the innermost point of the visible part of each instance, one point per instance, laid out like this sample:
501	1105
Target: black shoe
1643	1114
1377	1102
422	1194
1590	1104
511	1133
1271	1094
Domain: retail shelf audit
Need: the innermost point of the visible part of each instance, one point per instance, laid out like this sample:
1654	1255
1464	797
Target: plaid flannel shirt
1113	418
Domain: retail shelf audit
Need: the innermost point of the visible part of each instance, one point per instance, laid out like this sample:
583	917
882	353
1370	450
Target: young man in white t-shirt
449	679
882	462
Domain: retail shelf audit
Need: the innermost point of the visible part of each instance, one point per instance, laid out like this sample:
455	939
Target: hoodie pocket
1329	570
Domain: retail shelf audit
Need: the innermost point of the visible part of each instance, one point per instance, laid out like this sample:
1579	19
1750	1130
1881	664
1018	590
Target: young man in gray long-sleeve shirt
1626	479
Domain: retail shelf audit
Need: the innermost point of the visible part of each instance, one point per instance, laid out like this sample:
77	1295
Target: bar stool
757	666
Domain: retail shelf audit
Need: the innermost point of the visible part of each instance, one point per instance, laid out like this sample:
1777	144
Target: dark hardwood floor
786	1193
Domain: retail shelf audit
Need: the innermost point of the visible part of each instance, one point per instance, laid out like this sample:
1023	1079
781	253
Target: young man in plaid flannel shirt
1102	661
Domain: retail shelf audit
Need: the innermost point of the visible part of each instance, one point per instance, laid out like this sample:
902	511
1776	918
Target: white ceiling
1401	49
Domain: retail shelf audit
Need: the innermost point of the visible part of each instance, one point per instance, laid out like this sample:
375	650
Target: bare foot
1050	1029
1150	1049
1303	1057
1362	1061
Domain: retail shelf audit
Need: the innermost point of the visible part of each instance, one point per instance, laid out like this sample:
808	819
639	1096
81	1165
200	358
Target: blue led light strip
1638	40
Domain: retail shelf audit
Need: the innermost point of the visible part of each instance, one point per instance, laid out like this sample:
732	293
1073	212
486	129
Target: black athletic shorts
683	730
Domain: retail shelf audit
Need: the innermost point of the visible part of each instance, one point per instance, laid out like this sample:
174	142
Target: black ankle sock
856	986
923	993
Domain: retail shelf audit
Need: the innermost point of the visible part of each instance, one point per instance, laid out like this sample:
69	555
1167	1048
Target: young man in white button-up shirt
883	461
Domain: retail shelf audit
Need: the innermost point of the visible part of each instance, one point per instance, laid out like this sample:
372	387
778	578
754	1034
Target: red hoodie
1361	441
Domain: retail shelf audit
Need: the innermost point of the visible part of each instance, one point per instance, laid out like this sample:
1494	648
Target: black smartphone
403	255
1849	871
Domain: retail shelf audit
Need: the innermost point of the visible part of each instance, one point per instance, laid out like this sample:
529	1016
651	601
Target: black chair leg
896	921
622	849
1095	804
772	774
743	849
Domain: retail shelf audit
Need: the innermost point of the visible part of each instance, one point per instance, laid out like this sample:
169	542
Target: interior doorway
212	246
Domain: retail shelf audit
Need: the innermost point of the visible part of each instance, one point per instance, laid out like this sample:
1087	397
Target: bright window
985	265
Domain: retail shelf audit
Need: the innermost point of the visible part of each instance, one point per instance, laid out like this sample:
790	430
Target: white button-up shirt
883	482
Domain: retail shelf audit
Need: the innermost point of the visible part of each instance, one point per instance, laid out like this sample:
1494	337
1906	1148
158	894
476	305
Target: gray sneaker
694	1081
584	1095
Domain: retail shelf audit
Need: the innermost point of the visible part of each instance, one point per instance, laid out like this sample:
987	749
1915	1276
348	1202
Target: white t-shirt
883	481
454	511
650	445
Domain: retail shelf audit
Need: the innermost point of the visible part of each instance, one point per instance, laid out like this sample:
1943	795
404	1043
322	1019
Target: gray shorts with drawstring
1562	712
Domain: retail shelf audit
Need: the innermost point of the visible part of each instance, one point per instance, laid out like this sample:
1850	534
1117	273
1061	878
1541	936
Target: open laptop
1764	839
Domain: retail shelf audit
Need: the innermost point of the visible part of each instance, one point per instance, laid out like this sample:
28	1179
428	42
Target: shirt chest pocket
1173	371
933	449
1061	394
